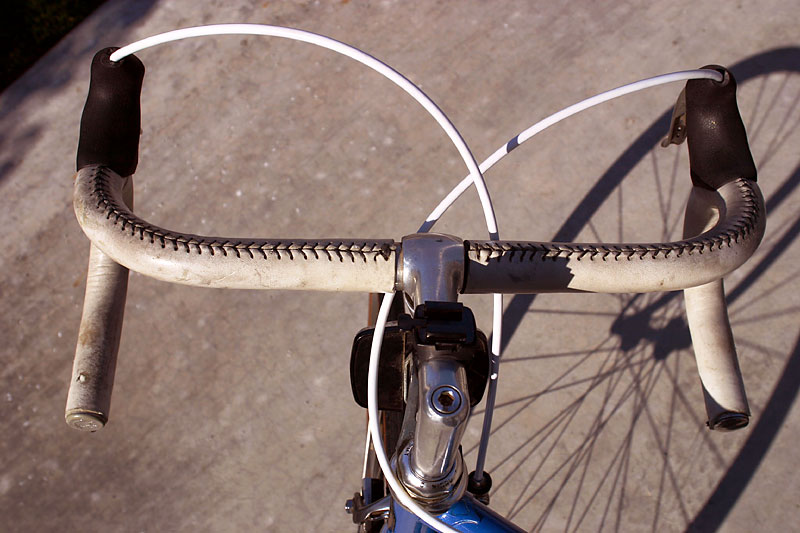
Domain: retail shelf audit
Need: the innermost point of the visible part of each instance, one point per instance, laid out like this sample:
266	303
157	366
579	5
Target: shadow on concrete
632	328
742	469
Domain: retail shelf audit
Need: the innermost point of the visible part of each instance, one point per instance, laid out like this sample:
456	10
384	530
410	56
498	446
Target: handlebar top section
718	148
722	169
111	120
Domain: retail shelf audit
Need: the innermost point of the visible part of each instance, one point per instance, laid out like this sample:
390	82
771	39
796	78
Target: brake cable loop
514	142
353	53
475	177
472	165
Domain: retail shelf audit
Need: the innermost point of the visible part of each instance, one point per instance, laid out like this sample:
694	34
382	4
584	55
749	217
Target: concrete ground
232	410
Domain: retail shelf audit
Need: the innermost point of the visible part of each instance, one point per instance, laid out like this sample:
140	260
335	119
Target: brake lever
677	125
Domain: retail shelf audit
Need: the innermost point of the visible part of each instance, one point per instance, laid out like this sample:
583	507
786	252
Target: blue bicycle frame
468	515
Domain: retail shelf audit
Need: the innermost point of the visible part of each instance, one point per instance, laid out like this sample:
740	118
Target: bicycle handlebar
726	198
370	265
719	156
534	267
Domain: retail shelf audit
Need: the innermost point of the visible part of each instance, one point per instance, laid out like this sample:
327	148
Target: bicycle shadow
649	331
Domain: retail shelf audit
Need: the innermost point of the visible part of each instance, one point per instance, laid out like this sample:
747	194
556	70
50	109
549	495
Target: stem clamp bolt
446	400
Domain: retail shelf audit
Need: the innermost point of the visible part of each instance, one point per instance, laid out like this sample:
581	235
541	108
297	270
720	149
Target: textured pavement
232	410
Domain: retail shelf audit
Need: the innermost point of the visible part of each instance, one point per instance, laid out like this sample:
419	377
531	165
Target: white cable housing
475	176
489	162
351	52
441	119
372	407
567	112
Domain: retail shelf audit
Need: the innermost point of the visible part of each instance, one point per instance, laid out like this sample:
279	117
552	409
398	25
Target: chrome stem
430	464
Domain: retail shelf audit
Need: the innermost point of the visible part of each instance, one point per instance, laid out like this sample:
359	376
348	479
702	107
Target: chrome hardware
446	400
431	267
677	124
430	464
362	512
439	427
435	495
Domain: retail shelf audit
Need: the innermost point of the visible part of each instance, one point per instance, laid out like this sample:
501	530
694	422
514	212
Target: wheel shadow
646	342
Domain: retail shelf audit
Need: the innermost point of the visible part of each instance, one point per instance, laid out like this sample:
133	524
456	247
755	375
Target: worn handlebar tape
111	119
718	148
